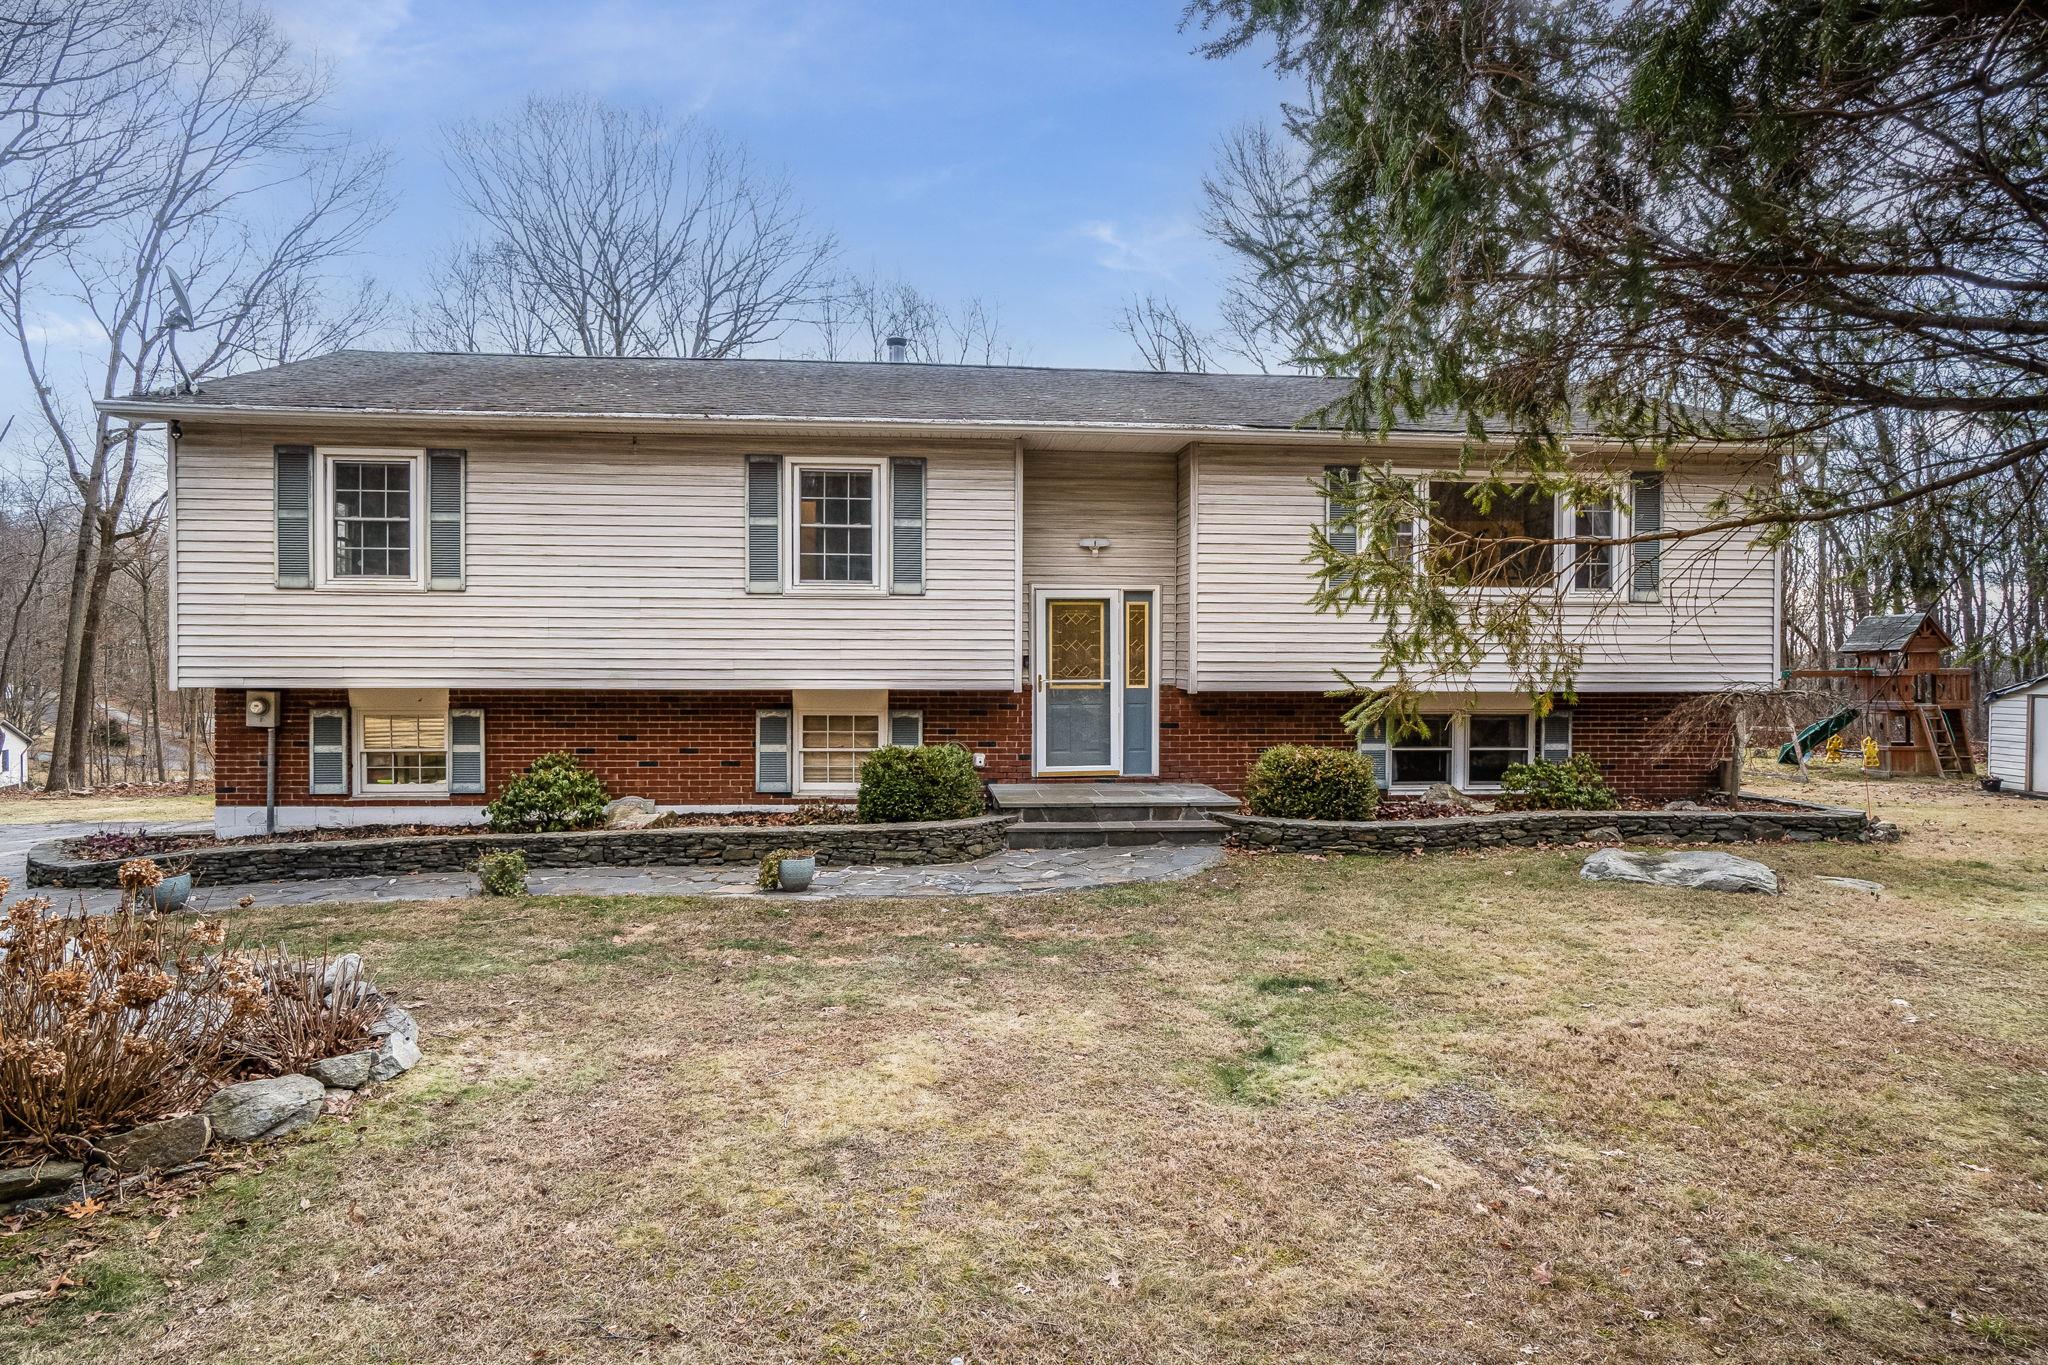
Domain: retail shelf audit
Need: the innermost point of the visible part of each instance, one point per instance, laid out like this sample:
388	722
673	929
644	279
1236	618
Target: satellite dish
181	315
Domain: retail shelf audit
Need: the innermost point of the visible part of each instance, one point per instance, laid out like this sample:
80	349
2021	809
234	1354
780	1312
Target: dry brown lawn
1455	1108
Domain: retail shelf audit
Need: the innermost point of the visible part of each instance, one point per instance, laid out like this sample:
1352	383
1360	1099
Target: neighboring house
2016	735
13	756
722	582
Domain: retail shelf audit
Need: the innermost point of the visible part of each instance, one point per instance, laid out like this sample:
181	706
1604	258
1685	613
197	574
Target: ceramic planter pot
797	873
172	892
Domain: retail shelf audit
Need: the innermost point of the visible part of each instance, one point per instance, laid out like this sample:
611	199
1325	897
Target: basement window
402	754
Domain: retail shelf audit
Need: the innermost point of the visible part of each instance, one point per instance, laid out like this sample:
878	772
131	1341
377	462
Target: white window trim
324	576
793	468
358	769
797	785
1461	749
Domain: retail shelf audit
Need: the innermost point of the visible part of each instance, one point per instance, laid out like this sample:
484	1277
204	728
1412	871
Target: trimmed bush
1299	782
1574	784
502	873
555	794
930	782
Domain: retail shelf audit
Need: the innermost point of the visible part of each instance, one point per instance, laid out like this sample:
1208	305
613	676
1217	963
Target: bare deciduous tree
79	87
856	316
611	231
240	145
1259	206
1165	340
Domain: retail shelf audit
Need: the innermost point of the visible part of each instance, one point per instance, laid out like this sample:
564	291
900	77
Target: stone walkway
1015	872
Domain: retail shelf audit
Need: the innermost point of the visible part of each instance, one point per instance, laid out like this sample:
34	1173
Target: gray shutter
906	728
293	482
906	533
465	751
1556	744
771	751
1343	539
1645	583
764	525
328	763
446	475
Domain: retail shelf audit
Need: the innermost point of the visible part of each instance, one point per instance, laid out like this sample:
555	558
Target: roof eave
156	410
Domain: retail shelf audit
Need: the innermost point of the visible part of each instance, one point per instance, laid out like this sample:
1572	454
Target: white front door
1077	657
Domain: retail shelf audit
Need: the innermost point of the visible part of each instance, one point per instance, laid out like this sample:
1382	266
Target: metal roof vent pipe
899	349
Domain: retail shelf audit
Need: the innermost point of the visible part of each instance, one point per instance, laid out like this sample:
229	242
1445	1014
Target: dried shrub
107	1021
317	1008
111	1020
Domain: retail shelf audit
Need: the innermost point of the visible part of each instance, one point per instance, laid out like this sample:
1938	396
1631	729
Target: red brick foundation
697	748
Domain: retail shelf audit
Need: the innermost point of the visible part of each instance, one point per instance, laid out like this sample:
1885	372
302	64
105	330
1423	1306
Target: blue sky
1044	156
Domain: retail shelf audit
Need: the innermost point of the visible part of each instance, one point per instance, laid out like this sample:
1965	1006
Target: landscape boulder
629	812
1853	884
349	1071
43	1177
159	1146
398	1055
1691	869
272	1107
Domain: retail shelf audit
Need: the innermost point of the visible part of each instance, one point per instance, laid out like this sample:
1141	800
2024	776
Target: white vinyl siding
2005	737
634	577
1254	629
1127	499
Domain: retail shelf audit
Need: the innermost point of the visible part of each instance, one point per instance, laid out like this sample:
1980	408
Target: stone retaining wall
938	841
1806	824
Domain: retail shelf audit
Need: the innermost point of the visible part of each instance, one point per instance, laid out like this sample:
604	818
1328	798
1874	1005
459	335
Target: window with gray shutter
446	475
293	483
1339	527
328	763
906	533
764	524
1556	743
1647	565
771	751
465	751
1372	742
906	728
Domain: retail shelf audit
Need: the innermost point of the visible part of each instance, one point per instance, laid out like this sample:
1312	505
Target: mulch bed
1415	808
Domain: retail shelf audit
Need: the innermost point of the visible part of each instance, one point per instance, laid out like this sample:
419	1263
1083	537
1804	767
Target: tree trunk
65	761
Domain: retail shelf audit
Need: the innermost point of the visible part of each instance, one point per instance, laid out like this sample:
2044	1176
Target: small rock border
245	1112
1805	822
934	841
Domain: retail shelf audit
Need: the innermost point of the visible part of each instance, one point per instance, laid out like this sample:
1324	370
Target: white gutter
144	409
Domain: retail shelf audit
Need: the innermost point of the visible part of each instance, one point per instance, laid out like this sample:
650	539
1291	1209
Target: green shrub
930	782
556	793
770	877
1298	782
1574	784
502	873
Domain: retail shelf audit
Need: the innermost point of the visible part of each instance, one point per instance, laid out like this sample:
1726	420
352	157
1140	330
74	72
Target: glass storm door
1076	684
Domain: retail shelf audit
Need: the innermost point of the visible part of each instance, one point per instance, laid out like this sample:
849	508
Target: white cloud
1164	249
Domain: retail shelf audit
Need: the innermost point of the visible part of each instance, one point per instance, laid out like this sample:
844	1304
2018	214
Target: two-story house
721	583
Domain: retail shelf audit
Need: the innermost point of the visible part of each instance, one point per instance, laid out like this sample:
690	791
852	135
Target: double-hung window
837	544
1471	750
402	752
831	748
1593	566
371	522
1491	744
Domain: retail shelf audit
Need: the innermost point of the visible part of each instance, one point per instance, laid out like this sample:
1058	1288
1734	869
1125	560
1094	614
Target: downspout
270	768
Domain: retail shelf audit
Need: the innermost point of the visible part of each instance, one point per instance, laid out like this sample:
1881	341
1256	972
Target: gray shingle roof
1883	632
521	385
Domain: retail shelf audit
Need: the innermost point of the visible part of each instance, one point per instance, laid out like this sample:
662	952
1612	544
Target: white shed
13	756
2017	737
